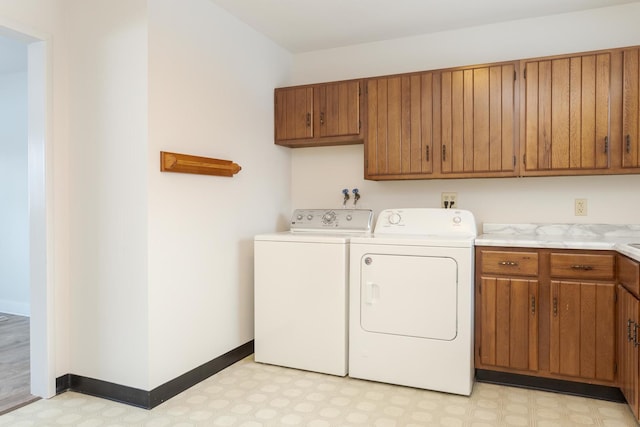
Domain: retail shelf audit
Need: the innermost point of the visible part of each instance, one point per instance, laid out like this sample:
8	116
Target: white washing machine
301	289
411	300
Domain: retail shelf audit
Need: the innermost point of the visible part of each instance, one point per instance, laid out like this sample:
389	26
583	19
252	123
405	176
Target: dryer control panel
426	221
333	220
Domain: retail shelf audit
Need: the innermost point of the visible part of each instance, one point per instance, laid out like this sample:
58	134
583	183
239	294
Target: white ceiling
307	25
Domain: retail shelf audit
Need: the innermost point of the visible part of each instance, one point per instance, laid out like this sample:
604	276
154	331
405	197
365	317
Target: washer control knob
457	219
299	217
309	217
394	218
349	217
329	217
368	260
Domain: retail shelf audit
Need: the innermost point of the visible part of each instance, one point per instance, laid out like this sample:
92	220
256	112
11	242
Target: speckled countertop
563	236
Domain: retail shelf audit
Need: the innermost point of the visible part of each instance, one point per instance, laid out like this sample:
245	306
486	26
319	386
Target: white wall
153	272
211	81
611	199
14	213
108	296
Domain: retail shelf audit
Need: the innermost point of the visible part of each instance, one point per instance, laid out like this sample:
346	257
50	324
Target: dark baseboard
594	391
169	389
151	399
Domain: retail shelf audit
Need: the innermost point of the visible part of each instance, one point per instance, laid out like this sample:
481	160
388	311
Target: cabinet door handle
628	143
533	304
629	322
582	267
427	153
308	119
322	118
508	263
606	144
555	306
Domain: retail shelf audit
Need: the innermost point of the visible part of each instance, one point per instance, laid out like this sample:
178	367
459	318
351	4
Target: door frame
40	189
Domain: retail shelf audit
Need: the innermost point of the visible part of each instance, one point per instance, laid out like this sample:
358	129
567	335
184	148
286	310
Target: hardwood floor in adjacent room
14	362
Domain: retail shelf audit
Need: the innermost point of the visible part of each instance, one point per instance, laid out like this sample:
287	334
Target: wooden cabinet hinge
514	75
514	161
615	367
524	159
525	73
615	297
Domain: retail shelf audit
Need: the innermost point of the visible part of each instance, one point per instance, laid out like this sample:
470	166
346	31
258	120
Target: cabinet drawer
510	263
583	266
629	274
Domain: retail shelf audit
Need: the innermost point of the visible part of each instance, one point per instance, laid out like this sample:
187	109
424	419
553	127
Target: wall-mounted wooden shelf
184	163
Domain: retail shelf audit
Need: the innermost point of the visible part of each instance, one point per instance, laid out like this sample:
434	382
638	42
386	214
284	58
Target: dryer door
407	295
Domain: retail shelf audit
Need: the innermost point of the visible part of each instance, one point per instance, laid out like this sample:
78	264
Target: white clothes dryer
411	300
301	288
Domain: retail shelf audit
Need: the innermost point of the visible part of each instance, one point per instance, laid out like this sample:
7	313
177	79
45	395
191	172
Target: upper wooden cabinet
293	113
399	127
631	108
475	116
576	114
451	123
566	114
317	115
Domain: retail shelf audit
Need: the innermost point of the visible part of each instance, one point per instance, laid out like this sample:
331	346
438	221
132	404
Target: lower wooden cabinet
509	316
628	331
549	313
627	335
583	326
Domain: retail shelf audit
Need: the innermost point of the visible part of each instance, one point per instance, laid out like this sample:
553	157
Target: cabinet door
566	114
627	350
477	120
399	115
582	330
629	274
631	109
509	323
338	109
293	113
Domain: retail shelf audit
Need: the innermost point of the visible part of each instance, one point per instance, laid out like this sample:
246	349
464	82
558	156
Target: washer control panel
334	220
426	221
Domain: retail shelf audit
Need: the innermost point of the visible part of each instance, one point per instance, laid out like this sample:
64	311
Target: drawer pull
533	305
582	267
508	263
555	307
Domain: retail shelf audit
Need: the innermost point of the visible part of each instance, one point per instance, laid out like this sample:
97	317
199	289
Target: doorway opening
28	153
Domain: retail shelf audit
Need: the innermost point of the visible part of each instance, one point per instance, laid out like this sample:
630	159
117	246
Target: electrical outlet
580	207
449	200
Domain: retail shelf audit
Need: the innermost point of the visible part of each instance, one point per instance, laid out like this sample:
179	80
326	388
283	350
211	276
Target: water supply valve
356	196
346	197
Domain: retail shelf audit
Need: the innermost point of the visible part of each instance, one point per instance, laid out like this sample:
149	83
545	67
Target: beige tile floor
249	394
